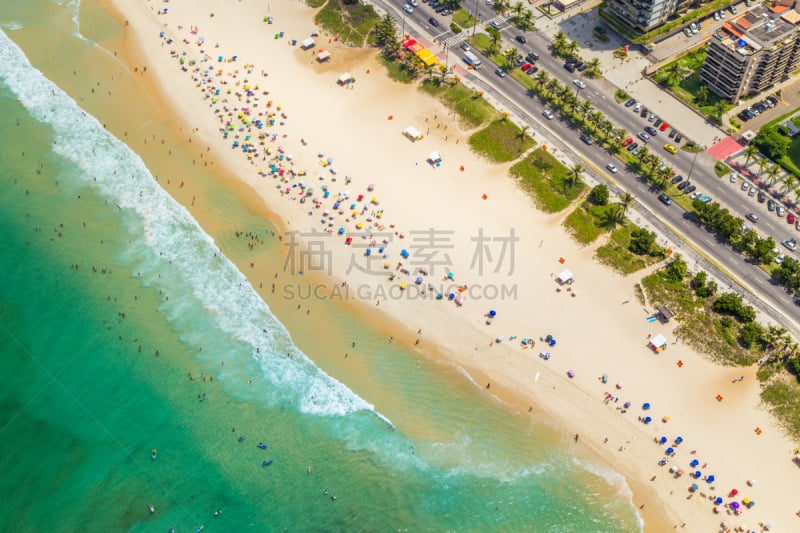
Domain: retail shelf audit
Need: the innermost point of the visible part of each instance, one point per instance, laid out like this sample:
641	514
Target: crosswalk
459	38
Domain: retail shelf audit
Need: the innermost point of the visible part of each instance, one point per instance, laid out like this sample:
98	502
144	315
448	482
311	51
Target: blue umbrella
368	252
492	313
694	463
698	474
418	280
663	440
647	420
646	406
718	500
451	296
710	479
670	451
678	440
404	253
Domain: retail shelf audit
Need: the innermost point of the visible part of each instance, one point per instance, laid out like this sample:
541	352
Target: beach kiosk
307	44
412	133
435	159
345	79
665	314
658	343
323	56
565	277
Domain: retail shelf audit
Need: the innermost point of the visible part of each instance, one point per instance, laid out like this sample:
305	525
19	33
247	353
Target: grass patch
782	395
501	141
621	96
615	252
462	18
395	70
791	160
582	224
468	104
721	169
548	182
315	3
352	22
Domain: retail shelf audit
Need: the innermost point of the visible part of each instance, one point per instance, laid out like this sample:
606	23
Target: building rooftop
756	29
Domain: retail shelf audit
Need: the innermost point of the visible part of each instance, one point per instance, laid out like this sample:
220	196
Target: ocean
141	368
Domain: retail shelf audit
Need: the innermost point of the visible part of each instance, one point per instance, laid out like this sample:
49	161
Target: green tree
386	33
572	48
541	78
626	200
612	217
494	38
599	195
762	164
772	143
762	251
517	10
674	73
702	95
720	108
750	151
593	68
575	174
642	241
750	334
676	270
789	182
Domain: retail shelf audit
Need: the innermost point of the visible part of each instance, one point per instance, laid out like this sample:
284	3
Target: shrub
750	334
676	270
455	28
642	241
599	195
772	143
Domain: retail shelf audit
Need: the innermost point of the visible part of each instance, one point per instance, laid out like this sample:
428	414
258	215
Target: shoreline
513	393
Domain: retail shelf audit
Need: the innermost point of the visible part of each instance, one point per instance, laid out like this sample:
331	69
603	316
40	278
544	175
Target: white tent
308	43
565	277
658	343
412	133
323	55
435	158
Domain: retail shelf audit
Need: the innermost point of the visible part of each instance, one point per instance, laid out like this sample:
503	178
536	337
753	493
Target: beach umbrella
368	252
387	264
663	440
492	313
646	406
402	286
748	503
626	405
341	231
670	451
647	420
571	373
678	440
673	469
552	342
381	249
718	500
694	486
439	296
418	281
451	296
734	505
404	253
734	492
451	275
698	474
694	463
710	479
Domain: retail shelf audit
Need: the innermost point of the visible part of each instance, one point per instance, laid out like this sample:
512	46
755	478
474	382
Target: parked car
650	130
761	197
644	112
672	134
658	122
663	126
790	218
643	136
752	191
694	27
690	189
677	179
790	244
627	141
633	146
771	205
630	102
651	118
665	199
532	56
745	186
752	217
695	195
683	185
570	67
733	9
408	9
781	211
678	138
688	32
637	108
533	70
705	199
581	66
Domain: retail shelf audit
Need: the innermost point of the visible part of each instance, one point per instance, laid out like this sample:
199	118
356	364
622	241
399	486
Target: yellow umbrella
403	287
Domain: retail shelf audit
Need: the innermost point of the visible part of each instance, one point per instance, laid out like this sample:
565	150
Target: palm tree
762	164
773	172
494	36
586	106
595	119
523	131
559	42
571	101
576	174
593	68
789	182
526	21
644	152
553	86
750	151
572	48
564	93
721	107
612	218
511	56
702	94
674	73
625	201
517	9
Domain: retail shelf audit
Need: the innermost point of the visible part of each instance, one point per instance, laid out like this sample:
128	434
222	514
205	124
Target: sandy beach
476	235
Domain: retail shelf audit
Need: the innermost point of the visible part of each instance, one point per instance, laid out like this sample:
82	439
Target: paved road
671	220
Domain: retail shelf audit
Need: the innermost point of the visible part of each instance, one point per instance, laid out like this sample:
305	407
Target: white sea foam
173	253
11	26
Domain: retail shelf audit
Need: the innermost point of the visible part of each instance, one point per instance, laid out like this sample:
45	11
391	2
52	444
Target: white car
637	108
733	177
695	195
611	168
413	3
579	83
408	9
790	244
465	47
548	114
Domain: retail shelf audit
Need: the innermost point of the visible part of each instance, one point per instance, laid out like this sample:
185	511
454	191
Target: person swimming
154	454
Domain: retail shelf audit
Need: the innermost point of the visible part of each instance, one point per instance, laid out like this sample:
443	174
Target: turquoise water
96	360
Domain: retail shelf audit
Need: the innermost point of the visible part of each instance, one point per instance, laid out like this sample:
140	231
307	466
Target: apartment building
642	16
750	54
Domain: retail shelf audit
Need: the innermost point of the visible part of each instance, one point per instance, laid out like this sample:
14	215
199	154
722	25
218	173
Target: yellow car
671	149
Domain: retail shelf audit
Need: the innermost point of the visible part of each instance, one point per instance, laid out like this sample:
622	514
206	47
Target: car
532	56
518	62
408	9
500	72
650	130
761	197
632	147
413	3
745	115
733	9
658	122
745	186
780	258
630	102
678	138
643	136
716	15
627	141
676	179
525	67
666	200
635	153
771	205
752	217
446	12
570	67
663	126
733	177
579	84
683	185
694	27
651	118
790	218
465	46
672	134
644	112
705	199
521	39
695	195
581	66
495	24
533	70
781	211
688	32
637	108
752	191
611	168
690	189
433	21
585	138
773	99
573	60
548	114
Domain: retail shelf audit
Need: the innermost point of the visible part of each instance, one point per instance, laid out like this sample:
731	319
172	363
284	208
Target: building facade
641	16
750	54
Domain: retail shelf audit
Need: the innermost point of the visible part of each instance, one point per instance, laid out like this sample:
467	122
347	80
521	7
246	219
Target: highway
671	220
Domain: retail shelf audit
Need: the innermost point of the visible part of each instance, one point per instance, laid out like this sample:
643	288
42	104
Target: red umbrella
734	492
